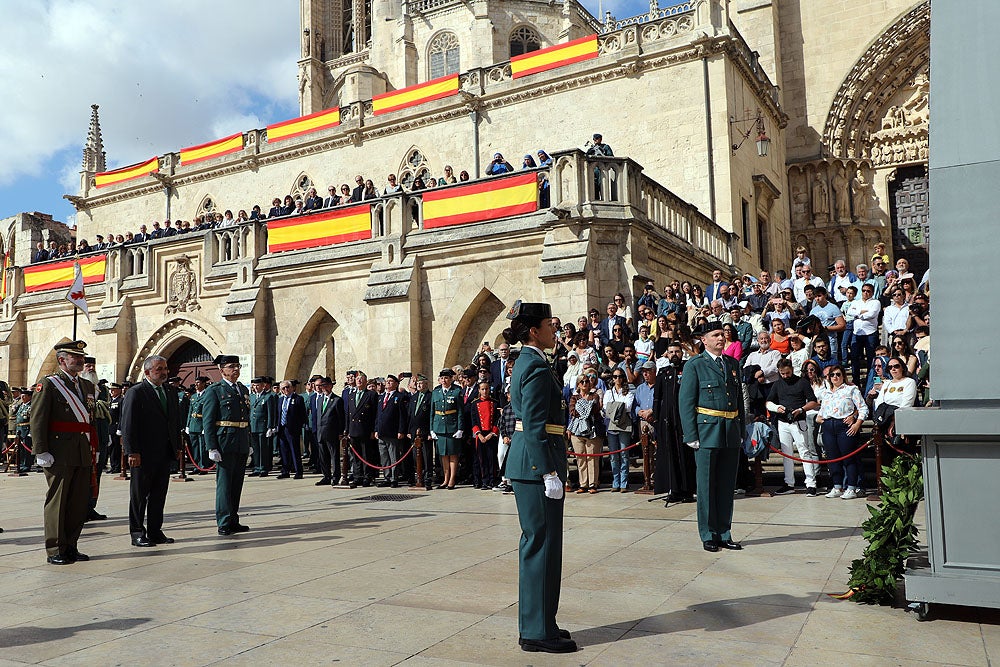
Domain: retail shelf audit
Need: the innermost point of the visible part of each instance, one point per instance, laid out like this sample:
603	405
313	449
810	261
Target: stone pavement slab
326	576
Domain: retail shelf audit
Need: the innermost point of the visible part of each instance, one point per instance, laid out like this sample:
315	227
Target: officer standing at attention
536	467
712	417
446	425
263	425
22	419
194	426
225	412
62	434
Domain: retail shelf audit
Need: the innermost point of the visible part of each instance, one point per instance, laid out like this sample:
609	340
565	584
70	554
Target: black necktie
722	367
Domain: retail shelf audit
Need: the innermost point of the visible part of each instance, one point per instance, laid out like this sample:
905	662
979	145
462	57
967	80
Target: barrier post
647	463
344	459
16	459
182	477
879	439
418	446
123	471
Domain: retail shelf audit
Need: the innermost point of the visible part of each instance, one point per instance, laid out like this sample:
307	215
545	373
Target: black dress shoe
298	476
710	546
395	485
557	645
60	559
253	474
324	481
352	485
225	531
161	539
563	634
264	474
382	483
240	528
77	556
283	475
94	515
428	487
729	544
141	542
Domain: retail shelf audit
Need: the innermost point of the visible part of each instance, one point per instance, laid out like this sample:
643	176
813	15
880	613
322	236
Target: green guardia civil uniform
263	417
711	408
195	427
537	448
225	411
22	427
446	419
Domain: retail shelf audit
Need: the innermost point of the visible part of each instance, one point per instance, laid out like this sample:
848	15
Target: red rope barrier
371	465
592	456
26	448
822	462
191	456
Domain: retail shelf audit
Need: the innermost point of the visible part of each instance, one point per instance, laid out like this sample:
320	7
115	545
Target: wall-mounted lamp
756	123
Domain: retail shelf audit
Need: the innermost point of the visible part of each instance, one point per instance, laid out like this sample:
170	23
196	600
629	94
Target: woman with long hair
840	415
619	404
779	337
734	348
901	348
536	466
584	408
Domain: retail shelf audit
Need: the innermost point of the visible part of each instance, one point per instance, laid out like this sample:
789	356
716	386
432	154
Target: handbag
883	416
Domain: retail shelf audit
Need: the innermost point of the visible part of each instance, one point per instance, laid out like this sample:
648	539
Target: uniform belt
23	423
732	414
551	429
195	414
446	412
233	424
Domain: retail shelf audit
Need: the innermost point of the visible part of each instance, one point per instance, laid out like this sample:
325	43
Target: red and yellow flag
551	57
485	200
296	127
106	178
353	223
414	95
38	277
212	149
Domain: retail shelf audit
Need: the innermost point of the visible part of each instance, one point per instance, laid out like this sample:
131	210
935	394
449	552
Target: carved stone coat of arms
182	288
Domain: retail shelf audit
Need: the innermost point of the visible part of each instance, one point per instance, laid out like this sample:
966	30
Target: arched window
524	40
207	205
301	187
443	55
415	163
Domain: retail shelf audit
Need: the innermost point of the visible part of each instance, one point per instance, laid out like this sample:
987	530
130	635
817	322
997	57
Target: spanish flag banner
414	95
296	127
353	223
39	277
106	178
212	149
485	200
551	57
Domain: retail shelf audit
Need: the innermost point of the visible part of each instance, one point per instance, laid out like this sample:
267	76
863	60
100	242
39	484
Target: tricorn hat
529	310
707	327
446	373
224	359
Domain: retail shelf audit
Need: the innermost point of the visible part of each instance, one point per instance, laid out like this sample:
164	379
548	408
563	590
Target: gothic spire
94	157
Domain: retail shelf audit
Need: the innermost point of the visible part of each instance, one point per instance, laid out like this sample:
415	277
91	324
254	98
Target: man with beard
675	466
790	398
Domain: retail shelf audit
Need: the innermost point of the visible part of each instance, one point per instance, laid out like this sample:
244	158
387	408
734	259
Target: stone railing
752	60
421	6
655	13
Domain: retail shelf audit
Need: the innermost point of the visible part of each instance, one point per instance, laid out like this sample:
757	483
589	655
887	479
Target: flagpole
75	311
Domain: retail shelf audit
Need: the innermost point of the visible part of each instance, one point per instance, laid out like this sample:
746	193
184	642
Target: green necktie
420	397
326	399
163	399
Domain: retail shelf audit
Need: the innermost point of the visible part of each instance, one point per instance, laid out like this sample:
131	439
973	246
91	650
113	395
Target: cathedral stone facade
681	93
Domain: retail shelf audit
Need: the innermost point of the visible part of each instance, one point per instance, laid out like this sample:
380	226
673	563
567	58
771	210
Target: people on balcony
499	166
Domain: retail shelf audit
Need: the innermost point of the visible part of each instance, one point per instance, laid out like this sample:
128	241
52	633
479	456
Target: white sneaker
834	493
850	494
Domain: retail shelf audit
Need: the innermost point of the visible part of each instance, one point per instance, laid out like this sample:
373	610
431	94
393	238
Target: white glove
458	433
44	459
215	455
434	436
553	486
251	451
270	432
694	445
187	430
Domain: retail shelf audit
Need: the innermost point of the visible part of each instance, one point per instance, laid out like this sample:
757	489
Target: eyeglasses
836	374
618	376
233	366
898	342
891	366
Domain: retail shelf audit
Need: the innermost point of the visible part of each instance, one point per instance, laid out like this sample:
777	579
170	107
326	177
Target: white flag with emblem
75	294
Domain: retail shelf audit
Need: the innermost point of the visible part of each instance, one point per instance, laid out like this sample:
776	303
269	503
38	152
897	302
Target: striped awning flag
53	275
552	57
484	200
352	223
217	148
106	178
414	95
296	127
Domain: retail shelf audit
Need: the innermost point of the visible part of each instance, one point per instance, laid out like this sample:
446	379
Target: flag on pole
75	294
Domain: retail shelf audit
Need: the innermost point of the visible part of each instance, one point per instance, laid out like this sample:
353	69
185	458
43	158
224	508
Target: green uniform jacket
68	449
703	385
446	410
194	418
222	403
22	415
263	412
536	396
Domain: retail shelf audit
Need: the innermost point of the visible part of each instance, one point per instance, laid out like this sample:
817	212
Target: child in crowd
644	345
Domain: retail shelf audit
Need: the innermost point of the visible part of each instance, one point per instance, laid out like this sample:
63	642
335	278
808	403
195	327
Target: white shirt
800	286
842	281
901	393
865	314
895	317
768	362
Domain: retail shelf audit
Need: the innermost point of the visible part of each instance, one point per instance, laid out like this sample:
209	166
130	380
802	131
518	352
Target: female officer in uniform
536	466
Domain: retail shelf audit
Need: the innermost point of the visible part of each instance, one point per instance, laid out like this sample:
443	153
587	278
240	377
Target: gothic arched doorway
190	360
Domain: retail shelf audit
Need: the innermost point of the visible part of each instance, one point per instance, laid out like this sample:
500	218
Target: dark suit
390	422
712	290
330	202
497	376
360	411
39	256
275	212
604	331
291	419
418	422
155	435
156	234
329	428
358	193
313	203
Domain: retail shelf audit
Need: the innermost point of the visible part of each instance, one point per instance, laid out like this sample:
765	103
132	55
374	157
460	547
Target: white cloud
165	74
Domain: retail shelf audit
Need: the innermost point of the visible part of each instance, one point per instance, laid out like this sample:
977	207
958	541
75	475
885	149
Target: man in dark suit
498	369
63	441
291	419
360	411
151	436
40	254
329	428
275	211
332	199
157	232
142	236
358	194
609	323
712	291
390	424
115	408
418	423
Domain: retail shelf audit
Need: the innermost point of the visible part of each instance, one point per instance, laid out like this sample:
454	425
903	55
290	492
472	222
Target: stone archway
170	338
474	327
315	350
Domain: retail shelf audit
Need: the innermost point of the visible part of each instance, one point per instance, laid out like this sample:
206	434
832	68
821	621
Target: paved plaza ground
326	577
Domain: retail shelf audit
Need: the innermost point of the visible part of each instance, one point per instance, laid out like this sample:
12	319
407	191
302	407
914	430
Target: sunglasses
618	376
836	374
891	366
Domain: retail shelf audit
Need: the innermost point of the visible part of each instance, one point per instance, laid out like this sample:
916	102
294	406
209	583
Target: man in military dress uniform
263	425
225	411
62	437
712	417
115	400
194	426
22	427
446	425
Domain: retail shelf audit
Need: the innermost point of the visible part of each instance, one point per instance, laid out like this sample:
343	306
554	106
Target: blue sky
166	75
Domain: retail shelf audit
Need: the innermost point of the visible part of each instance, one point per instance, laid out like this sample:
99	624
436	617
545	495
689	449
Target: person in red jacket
486	438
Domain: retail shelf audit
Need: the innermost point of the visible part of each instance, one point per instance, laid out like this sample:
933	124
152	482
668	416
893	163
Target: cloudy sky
165	74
